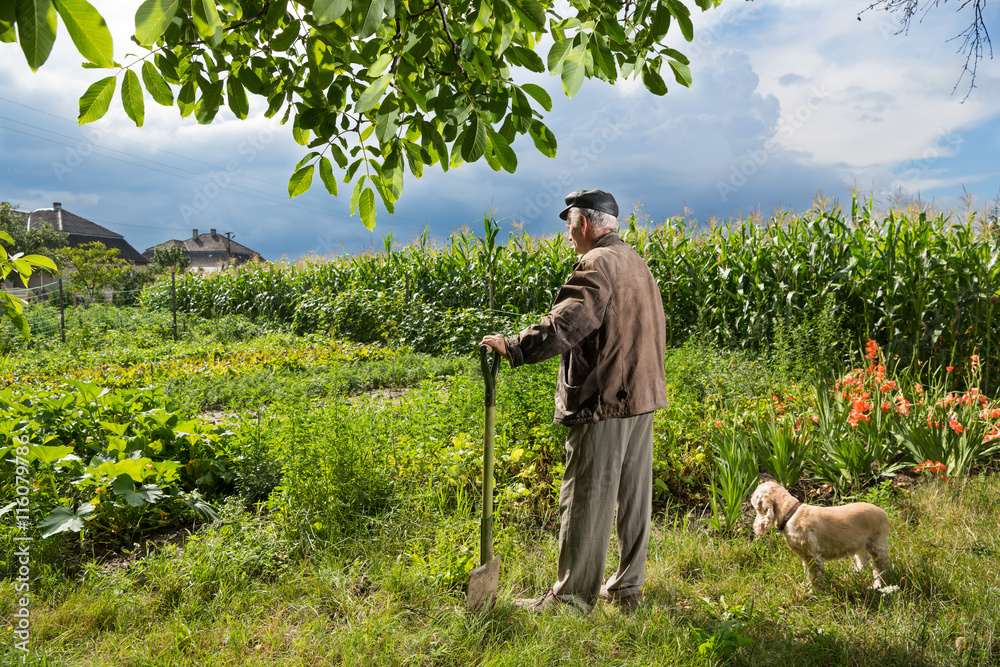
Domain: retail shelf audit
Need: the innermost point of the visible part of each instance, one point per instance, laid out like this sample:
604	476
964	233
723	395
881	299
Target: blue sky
790	98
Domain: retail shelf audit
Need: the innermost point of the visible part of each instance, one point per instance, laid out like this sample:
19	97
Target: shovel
484	579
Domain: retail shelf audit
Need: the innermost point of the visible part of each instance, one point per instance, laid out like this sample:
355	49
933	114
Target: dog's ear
766	505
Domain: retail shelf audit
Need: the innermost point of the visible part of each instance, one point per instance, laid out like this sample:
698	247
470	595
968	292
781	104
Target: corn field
926	287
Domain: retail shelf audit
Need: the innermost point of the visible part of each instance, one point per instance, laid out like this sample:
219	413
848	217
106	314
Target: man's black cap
598	200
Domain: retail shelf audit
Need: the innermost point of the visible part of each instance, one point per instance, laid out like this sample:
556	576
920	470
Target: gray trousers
608	464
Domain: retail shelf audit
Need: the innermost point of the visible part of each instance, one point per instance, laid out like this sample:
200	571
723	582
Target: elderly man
607	323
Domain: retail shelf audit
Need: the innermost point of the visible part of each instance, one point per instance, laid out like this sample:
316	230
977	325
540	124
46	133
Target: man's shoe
625	605
549	601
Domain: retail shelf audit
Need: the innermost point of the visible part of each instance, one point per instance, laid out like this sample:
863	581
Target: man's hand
498	343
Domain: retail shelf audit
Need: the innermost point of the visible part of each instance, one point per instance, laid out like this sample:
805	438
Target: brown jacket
607	323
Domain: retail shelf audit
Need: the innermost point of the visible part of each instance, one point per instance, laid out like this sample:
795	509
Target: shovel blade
483	582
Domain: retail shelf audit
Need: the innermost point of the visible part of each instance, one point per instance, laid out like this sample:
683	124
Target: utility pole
229	247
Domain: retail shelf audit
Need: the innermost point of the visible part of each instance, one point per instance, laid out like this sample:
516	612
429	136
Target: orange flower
949	368
871	350
955	426
975	361
886	406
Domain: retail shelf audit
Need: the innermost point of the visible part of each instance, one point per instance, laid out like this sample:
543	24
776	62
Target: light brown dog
819	534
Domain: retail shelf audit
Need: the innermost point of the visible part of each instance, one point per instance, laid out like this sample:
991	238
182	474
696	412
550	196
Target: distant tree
96	266
43	240
170	257
975	40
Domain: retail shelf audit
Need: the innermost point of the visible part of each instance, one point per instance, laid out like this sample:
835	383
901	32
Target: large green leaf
503	152
366	205
156	85
574	70
300	181
206	21
327	176
132	98
208	106
36	29
152	19
371	96
95	102
237	97
683	16
125	487
48	454
544	140
63	519
539	94
653	81
372	13
328	11
88	30
474	143
682	73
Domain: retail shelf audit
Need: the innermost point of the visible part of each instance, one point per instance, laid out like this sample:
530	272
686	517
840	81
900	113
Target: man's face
575	234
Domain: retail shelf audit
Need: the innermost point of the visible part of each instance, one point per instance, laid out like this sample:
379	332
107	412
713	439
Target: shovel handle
490	370
490	378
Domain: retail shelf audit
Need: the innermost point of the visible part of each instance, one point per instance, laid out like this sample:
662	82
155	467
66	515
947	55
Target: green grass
242	593
355	521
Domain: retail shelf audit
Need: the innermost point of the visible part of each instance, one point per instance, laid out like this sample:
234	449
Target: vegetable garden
296	478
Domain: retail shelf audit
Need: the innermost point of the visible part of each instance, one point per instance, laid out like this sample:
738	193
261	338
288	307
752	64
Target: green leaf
124	486
544	140
532	10
683	16
411	92
132	98
48	454
156	85
327	176
152	19
206	21
95	102
237	97
682	73
208	106
283	40
366	205
379	66
573	71
63	519
328	11
39	260
558	53
372	13
653	81
300	135
503	152
539	94
186	99
370	97
356	195
88	30
474	142
36	29
300	181
8	17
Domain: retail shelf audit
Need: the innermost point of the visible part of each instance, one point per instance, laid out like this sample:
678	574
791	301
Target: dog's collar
787	518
